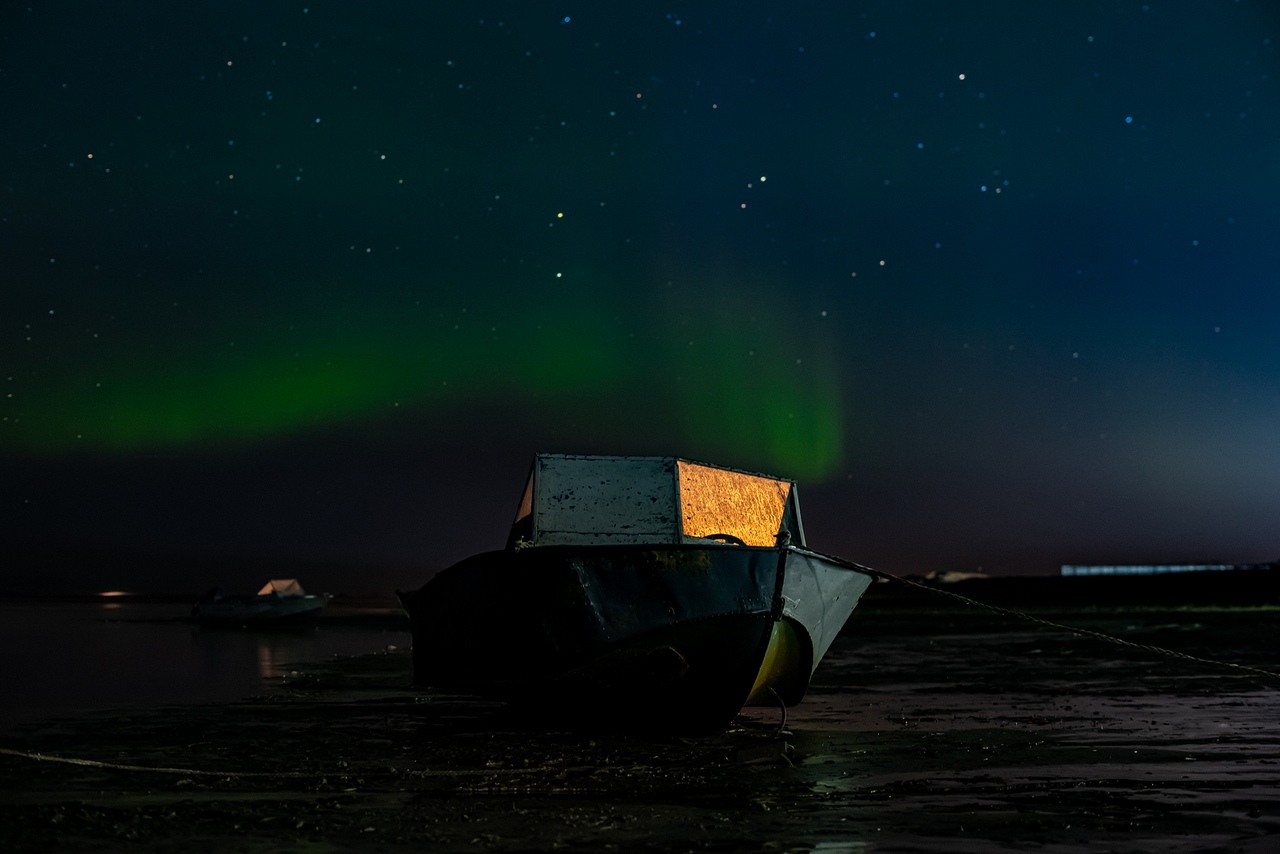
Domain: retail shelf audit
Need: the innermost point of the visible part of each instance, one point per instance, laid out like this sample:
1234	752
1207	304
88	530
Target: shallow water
1033	739
921	733
67	658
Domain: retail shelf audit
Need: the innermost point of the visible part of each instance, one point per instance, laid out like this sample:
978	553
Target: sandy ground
924	731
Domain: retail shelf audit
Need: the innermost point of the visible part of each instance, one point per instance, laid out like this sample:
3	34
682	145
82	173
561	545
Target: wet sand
925	730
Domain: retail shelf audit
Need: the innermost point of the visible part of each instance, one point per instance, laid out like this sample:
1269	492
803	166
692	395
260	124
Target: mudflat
925	730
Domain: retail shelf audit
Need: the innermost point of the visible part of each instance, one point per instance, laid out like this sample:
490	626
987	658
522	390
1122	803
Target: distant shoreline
1236	588
1247	588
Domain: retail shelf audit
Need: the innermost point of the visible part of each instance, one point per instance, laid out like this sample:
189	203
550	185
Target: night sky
995	282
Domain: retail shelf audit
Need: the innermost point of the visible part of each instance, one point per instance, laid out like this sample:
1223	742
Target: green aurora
996	285
716	382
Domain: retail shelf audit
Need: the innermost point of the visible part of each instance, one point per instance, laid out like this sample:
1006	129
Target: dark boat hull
667	637
267	613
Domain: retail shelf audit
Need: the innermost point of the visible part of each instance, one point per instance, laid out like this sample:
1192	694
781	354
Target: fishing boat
651	592
280	601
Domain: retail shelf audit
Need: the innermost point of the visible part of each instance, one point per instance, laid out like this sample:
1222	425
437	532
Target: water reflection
113	594
277	653
99	654
266	662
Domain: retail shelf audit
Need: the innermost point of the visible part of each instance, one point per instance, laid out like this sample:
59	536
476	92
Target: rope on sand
93	763
875	573
1009	612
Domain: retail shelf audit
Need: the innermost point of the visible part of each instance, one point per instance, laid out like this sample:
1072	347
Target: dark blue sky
994	282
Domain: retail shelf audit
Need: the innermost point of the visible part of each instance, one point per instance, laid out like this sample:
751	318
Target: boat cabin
612	500
282	587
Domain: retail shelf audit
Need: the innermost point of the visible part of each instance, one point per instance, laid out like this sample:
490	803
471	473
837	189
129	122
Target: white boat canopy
282	587
613	500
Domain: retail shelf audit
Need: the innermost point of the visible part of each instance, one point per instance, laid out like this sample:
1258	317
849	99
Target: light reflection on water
70	658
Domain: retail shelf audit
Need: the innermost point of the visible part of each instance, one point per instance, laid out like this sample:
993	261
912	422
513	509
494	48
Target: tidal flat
924	730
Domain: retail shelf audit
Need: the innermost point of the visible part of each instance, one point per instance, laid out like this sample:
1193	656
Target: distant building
1159	569
951	576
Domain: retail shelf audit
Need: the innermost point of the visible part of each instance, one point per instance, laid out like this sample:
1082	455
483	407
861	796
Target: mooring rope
1102	636
115	766
437	772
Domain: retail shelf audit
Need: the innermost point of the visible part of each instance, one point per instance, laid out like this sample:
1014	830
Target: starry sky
995	282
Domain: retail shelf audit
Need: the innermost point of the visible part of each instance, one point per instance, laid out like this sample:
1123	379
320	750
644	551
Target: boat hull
655	637
271	611
819	593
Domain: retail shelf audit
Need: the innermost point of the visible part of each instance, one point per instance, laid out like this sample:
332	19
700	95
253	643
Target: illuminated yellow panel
746	506
526	500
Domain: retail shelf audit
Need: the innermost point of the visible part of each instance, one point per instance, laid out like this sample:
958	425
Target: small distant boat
280	601
648	592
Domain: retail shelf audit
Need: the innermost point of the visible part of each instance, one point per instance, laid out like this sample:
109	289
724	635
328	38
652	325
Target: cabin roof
632	500
282	587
